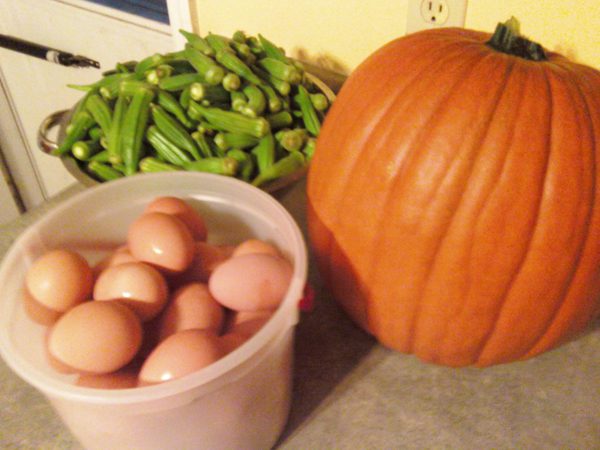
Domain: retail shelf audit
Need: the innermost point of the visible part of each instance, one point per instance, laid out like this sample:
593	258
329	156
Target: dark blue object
150	9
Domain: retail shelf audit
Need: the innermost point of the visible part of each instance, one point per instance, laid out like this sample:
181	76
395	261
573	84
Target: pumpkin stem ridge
507	38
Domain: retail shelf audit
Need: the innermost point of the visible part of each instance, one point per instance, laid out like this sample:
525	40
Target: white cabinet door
34	88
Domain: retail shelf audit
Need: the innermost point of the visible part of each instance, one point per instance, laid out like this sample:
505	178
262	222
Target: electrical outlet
424	14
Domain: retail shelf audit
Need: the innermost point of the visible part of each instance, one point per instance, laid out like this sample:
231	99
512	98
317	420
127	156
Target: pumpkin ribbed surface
453	199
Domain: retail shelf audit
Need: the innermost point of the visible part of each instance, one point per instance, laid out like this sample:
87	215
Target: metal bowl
61	119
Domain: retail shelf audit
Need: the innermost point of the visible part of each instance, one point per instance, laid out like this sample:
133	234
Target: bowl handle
46	144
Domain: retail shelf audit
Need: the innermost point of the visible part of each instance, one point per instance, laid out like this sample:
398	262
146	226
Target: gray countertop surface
352	393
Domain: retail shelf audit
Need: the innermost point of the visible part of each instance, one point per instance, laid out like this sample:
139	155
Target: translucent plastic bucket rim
204	381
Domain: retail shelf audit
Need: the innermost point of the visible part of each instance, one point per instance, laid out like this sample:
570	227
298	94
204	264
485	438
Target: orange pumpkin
454	197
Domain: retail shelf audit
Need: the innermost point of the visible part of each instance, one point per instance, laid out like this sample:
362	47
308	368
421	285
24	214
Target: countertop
352	393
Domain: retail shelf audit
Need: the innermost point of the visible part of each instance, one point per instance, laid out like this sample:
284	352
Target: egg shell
237	318
119	256
54	362
231	341
161	240
135	284
183	211
60	279
206	258
251	282
124	378
191	306
255	246
36	311
96	337
180	354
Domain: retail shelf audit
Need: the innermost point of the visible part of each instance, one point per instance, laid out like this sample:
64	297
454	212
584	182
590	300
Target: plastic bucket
240	402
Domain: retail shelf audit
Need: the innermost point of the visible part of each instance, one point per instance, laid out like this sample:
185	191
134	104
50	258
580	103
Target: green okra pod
309	148
238	101
285	166
309	115
133	129
80	124
243	50
256	101
229	120
219	165
231	82
202	144
281	86
281	119
211	72
172	106
95	133
225	140
101	156
319	101
179	82
84	150
264	152
100	111
103	171
184	98
155	75
255	47
245	163
114	133
114	78
150	164
291	140
218	43
148	63
197	42
173	130
239	36
155	60
271	50
130	87
230	61
280	70
211	94
273	100
165	148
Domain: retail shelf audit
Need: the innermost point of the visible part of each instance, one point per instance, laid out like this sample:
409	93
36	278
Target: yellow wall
571	27
342	33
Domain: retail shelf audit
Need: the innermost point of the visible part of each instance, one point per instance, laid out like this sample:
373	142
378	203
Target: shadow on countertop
328	344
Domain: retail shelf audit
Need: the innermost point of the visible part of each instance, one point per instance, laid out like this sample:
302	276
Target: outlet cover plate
425	14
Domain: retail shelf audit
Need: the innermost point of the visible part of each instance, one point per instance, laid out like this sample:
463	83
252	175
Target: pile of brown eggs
164	304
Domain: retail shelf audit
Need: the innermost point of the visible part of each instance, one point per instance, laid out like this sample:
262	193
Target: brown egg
248	322
119	256
135	284
161	240
242	326
60	279
183	211
206	258
255	246
53	362
180	354
96	337
231	341
251	282
191	306
38	312
124	378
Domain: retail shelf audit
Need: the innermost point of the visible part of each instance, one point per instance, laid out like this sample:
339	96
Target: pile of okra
233	106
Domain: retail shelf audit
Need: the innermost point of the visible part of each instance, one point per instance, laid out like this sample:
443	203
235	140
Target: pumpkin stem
507	39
